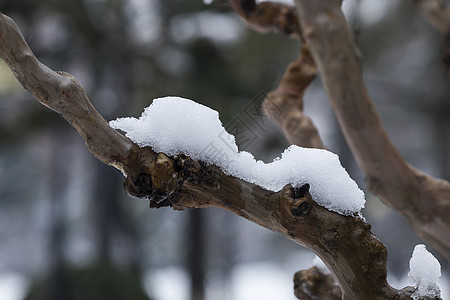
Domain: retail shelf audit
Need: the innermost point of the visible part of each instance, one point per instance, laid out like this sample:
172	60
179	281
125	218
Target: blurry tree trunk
113	227
57	185
105	209
196	256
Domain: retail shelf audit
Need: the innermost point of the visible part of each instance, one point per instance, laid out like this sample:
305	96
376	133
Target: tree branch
424	200
352	253
284	105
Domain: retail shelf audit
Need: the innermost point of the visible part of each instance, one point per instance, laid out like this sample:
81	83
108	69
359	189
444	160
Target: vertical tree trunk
196	259
57	181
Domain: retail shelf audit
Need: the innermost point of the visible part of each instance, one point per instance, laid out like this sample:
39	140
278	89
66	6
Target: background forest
67	228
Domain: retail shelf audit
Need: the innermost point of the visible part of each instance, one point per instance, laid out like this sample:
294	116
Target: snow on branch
424	273
175	126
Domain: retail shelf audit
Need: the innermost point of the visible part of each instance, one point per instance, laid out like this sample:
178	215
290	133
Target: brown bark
284	105
356	258
424	200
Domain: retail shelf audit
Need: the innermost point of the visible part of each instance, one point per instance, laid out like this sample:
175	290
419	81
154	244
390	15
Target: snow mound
174	125
425	271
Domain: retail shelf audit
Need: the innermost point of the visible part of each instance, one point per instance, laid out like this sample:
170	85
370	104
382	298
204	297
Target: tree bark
284	105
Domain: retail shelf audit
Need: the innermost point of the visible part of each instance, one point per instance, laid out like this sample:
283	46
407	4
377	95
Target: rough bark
356	258
424	200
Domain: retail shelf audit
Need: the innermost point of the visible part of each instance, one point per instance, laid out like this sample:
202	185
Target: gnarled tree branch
424	200
352	253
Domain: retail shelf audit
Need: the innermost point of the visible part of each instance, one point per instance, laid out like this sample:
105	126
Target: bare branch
424	200
284	105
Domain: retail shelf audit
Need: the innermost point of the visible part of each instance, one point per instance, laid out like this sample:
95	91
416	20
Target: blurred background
68	230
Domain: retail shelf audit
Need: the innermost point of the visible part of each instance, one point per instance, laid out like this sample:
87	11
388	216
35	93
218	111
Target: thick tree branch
424	200
352	253
284	105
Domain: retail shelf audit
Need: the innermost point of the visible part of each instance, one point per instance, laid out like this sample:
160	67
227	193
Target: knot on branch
297	200
158	181
302	207
195	172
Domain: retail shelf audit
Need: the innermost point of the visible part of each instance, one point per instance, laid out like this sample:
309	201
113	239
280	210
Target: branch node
301	209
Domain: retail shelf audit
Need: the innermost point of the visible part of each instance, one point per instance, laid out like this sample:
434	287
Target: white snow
174	125
424	273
